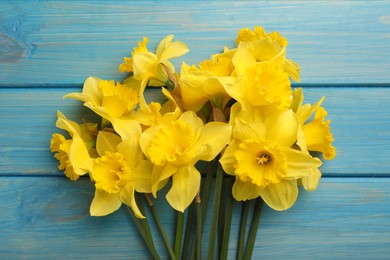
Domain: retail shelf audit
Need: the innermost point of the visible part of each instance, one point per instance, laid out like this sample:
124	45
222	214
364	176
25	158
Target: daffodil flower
148	66
263	160
174	146
74	154
206	83
313	134
266	47
118	172
263	84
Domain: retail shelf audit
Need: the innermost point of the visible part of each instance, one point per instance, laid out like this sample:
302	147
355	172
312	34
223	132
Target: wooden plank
361	130
42	217
62	42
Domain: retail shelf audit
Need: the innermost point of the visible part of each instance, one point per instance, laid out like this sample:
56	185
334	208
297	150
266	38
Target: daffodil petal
242	59
245	190
63	123
131	151
172	50
160	174
282	128
90	92
310	182
190	118
144	63
228	160
104	203
185	186
299	164
126	128
215	136
127	196
280	196
107	141
142	176
243	130
79	156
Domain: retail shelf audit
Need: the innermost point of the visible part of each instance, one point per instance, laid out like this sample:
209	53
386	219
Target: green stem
198	228
221	216
160	227
205	199
188	232
241	239
142	231
179	233
214	216
143	221
228	220
254	228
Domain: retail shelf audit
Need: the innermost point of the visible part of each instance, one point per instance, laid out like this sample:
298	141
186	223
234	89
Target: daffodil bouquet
236	111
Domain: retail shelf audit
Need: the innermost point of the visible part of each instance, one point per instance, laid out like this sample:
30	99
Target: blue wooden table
48	48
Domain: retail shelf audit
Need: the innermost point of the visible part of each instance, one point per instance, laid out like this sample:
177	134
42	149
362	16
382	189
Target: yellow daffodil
107	98
74	154
206	83
174	146
263	84
263	160
313	134
114	102
260	47
118	172
149	66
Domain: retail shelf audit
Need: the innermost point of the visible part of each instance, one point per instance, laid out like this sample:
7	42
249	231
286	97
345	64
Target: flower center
118	99
263	158
111	172
260	162
173	144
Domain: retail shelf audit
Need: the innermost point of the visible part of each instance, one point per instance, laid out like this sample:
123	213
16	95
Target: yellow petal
215	136
243	58
79	157
167	49
104	203
282	128
245	190
190	118
90	92
280	196
127	196
248	129
299	164
145	64
161	174
126	128
310	182
131	151
185	186
142	176
107	141
228	160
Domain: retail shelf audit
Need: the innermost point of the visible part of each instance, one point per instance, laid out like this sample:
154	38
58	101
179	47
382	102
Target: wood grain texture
360	123
60	42
48	48
47	218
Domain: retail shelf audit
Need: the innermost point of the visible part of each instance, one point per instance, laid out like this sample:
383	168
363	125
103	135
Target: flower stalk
215	212
160	227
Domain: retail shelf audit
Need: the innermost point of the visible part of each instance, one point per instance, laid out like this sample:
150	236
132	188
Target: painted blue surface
48	48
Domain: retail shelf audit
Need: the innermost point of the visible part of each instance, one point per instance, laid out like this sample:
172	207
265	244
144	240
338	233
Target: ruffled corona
318	135
127	65
111	172
61	147
118	99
